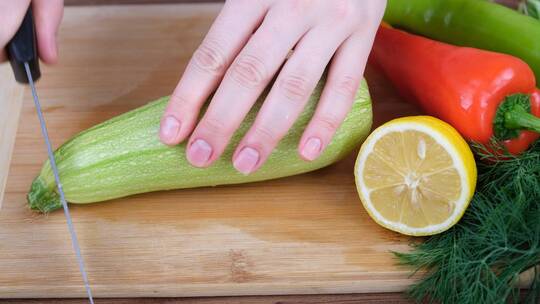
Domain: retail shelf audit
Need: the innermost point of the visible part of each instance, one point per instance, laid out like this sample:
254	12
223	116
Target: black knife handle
23	48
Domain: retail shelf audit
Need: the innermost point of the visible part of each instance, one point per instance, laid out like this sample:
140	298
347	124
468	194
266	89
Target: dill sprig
479	260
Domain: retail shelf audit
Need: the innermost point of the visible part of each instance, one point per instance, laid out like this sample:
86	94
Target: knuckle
298	6
233	8
345	86
375	9
244	3
341	10
328	122
265	135
215	126
249	71
296	88
180	104
364	17
236	2
286	12
209	57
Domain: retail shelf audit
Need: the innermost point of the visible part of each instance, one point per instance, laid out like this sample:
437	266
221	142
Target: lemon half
415	175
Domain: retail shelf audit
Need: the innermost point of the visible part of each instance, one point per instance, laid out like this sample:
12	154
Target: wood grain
11	95
301	235
386	298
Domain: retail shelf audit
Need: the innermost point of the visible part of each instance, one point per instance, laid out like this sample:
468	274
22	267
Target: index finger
228	34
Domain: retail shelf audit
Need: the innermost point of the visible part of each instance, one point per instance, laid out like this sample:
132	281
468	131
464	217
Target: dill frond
479	260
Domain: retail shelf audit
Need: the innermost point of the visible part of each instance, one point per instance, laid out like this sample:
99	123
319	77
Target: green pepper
474	23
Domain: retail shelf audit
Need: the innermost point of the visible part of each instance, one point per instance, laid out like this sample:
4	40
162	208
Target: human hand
47	16
247	44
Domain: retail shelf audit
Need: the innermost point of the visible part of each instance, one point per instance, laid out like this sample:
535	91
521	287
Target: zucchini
123	156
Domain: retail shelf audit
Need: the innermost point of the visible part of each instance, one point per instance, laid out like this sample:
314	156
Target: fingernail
312	148
199	153
246	160
170	127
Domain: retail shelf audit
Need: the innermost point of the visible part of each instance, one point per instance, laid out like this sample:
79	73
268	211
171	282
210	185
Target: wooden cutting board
303	234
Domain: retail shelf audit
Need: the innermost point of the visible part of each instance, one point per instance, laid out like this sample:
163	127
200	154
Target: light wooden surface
11	95
374	298
304	234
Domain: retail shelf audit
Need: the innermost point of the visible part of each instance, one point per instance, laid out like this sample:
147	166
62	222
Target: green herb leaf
480	259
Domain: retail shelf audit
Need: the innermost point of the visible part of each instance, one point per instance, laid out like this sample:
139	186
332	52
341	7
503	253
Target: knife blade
22	53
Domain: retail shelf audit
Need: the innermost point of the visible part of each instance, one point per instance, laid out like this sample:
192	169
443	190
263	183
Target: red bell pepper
484	95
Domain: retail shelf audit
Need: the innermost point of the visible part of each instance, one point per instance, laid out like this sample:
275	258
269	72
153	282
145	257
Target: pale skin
246	46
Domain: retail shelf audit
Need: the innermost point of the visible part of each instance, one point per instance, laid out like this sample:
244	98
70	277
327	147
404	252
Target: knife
23	57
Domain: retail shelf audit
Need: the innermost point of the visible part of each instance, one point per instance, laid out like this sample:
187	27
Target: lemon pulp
415	175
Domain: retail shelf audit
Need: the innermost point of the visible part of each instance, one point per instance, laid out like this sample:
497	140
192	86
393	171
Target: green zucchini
123	156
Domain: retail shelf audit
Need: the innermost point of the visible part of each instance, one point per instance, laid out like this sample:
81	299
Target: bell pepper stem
513	116
519	118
